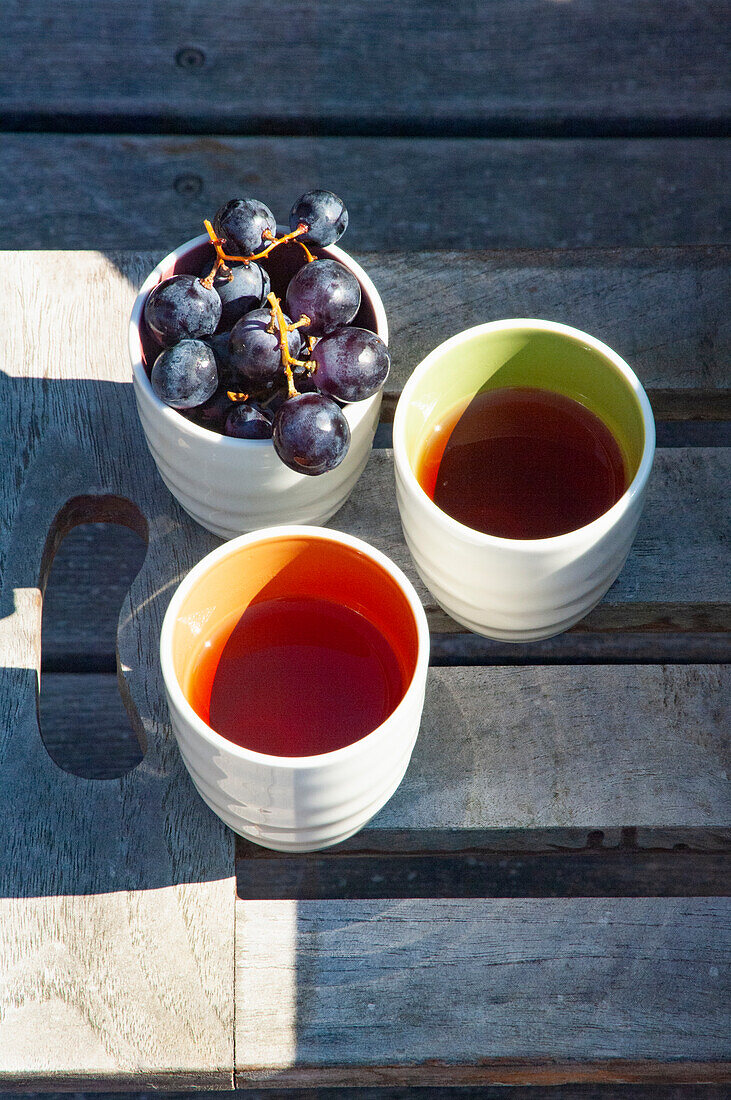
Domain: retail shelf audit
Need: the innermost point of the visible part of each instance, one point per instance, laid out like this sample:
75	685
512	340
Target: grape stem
275	242
223	258
220	264
288	361
234	395
312	365
308	254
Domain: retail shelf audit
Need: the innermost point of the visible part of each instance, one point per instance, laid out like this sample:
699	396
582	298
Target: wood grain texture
561	751
458	992
664	310
116	897
580	747
676	577
500	61
60	191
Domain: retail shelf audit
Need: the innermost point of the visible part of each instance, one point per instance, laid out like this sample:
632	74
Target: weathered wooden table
544	898
542	901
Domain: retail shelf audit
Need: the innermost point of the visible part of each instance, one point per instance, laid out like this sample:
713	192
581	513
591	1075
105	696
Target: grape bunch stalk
243	361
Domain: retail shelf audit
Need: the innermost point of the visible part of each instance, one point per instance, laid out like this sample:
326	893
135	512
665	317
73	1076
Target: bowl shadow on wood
73	452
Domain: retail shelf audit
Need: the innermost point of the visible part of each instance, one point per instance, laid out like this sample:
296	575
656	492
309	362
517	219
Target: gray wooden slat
61	191
390	60
490	991
676	577
587	747
540	749
116	897
664	310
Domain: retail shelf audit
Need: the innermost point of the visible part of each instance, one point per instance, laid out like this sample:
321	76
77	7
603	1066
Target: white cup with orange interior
294	661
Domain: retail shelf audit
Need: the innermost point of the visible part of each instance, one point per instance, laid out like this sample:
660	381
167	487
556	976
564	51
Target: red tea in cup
298	676
308	647
522	463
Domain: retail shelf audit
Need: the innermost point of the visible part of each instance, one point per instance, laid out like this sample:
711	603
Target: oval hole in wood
93	553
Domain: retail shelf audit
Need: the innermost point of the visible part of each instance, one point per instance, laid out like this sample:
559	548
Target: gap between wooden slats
425	1092
477	873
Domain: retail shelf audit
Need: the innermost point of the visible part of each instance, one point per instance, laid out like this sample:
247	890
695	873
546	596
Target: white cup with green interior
521	589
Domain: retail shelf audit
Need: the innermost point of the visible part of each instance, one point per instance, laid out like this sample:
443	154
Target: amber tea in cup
316	651
520	462
297	676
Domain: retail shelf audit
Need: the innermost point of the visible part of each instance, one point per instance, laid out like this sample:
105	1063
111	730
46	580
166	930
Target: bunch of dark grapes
238	363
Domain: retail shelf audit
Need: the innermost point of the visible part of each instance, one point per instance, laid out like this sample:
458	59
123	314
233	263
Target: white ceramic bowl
235	485
294	803
516	590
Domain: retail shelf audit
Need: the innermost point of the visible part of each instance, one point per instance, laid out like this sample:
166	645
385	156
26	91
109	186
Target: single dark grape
244	421
185	375
352	363
181	307
325	215
213	412
311	435
243	288
327	292
241	222
255	353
